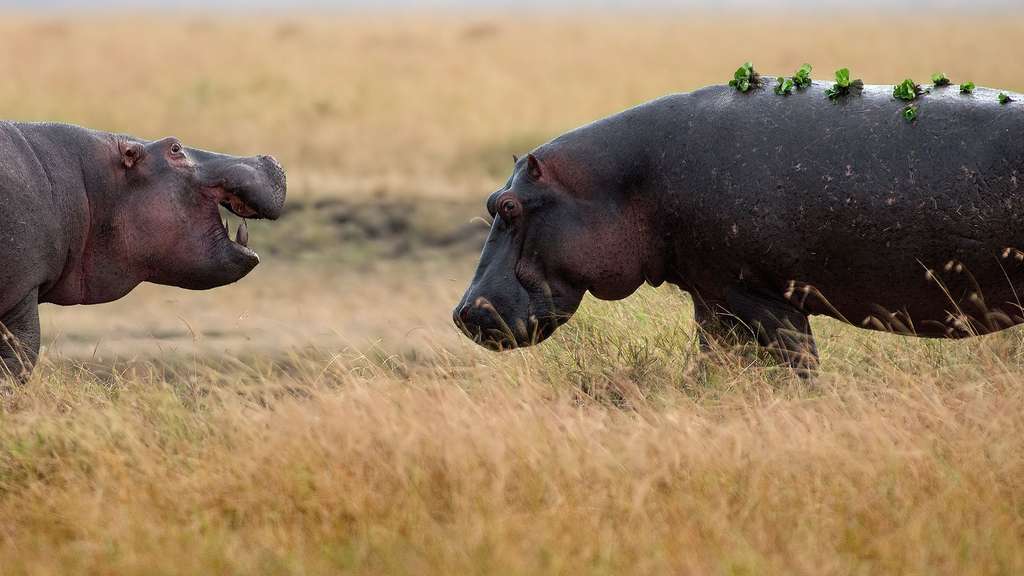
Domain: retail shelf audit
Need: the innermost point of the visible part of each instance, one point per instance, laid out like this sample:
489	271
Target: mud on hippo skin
767	209
85	216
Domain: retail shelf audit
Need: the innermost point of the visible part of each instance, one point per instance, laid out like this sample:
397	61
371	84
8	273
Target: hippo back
852	198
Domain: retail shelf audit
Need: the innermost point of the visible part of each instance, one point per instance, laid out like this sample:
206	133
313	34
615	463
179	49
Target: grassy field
324	417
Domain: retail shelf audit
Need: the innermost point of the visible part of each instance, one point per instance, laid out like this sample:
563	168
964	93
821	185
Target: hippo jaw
235	250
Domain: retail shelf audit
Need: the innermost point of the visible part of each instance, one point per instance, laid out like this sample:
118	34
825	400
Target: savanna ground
324	417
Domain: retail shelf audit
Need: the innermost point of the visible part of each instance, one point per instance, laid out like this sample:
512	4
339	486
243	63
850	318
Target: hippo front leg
745	317
19	338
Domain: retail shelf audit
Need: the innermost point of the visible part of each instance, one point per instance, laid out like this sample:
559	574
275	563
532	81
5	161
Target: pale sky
817	5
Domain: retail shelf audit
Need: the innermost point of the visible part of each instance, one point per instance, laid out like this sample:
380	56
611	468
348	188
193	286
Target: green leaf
802	78
743	77
910	113
1004	98
906	90
784	86
744	72
843	84
967	87
940	79
843	77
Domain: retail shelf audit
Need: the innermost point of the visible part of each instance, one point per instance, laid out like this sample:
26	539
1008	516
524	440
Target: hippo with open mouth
767	209
85	216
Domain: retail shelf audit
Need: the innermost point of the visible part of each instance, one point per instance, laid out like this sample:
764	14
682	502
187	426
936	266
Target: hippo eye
175	148
509	207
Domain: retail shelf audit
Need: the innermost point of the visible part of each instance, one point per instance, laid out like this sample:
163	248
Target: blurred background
396	119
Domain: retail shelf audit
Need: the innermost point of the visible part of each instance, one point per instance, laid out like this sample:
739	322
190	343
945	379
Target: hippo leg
717	326
745	317
19	338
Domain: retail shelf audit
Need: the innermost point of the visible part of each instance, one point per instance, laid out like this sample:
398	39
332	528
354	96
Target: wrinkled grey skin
85	216
767	209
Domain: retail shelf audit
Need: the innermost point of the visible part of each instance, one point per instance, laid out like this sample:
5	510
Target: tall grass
607	451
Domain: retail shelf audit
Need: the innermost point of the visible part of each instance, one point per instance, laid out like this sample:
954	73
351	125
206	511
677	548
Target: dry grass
432	104
321	420
604	452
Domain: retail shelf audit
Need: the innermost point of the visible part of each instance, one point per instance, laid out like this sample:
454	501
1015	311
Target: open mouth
235	207
241	238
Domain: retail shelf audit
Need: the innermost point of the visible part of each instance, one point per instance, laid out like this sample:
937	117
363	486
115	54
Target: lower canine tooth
242	234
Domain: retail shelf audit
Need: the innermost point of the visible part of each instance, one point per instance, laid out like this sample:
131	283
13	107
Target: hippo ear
131	153
533	168
515	159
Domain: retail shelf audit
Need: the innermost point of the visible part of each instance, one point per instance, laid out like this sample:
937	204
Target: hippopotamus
85	216
768	209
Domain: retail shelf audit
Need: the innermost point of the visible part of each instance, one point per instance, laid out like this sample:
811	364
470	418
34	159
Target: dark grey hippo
768	209
85	216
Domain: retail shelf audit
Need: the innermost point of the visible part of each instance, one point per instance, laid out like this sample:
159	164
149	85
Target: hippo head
549	244
168	220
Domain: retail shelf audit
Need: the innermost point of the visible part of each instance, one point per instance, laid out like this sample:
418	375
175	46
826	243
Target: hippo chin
768	209
85	216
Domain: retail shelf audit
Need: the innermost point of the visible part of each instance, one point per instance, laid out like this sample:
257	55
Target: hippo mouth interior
233	203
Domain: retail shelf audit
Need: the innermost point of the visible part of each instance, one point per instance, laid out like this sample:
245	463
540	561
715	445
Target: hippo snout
275	173
260	183
277	182
498	327
481	322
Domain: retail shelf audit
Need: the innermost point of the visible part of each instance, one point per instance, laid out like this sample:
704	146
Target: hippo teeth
242	234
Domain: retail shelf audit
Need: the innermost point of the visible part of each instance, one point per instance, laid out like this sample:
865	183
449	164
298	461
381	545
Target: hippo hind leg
745	317
19	339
